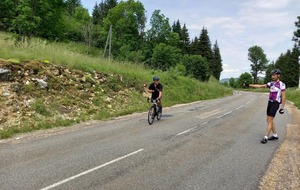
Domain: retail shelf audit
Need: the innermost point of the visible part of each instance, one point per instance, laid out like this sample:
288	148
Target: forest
119	29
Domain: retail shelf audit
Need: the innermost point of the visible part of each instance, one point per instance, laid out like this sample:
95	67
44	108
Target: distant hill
226	80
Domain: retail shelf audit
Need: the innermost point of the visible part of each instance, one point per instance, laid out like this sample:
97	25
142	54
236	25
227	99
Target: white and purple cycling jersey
276	88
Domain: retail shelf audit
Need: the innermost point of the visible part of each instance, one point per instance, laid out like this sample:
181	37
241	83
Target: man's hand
281	111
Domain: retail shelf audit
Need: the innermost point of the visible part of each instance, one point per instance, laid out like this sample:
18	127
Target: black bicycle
154	111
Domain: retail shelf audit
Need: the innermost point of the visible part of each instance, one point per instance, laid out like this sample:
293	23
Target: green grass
121	76
293	95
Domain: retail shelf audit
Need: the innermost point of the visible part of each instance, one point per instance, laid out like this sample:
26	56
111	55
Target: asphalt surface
211	144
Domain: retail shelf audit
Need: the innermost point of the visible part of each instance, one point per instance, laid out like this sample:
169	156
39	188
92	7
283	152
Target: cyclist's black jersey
158	89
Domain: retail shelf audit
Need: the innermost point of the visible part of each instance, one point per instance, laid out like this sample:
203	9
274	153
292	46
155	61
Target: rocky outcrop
34	89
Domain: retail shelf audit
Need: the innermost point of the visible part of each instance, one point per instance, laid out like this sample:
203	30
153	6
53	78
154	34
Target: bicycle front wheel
151	115
159	113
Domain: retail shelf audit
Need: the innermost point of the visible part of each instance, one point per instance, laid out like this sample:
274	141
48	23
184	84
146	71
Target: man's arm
160	94
258	85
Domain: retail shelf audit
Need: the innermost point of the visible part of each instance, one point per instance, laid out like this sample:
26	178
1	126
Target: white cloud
268	4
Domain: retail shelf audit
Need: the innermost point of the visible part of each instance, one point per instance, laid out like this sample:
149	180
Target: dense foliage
161	47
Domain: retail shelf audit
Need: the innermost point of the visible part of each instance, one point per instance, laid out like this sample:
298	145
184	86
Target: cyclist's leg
271	112
271	126
159	104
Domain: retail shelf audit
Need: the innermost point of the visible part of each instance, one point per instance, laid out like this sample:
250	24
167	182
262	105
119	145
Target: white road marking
209	114
250	101
239	107
90	170
186	131
224	115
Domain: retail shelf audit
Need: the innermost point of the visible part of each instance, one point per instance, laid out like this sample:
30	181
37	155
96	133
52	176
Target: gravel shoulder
284	169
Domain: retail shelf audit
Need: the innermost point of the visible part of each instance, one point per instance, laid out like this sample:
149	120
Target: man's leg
271	126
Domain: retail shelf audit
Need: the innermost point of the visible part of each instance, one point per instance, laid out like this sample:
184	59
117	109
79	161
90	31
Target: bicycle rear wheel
151	115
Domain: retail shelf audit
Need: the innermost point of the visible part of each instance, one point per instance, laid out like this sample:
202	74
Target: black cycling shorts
272	108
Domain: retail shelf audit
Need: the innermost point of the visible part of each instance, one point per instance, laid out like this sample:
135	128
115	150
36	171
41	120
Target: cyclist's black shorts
272	108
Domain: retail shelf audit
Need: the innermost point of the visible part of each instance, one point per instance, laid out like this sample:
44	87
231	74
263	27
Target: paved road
205	145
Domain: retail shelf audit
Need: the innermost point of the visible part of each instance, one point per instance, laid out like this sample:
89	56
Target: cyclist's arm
160	94
258	85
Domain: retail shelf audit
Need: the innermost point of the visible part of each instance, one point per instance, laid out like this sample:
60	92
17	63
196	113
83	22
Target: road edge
284	169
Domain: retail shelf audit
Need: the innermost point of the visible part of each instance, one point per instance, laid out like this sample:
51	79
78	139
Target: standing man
156	89
277	99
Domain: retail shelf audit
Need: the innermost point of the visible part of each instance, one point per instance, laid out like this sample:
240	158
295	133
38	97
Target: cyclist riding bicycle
155	89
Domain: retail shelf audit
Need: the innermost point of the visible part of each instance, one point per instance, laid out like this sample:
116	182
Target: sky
236	25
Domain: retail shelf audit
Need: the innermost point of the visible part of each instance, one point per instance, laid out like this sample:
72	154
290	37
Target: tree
96	15
196	67
194	46
244	78
51	12
205	46
101	11
78	27
27	20
176	27
216	63
164	57
289	66
185	40
7	13
128	20
296	37
232	82
160	30
259	61
71	6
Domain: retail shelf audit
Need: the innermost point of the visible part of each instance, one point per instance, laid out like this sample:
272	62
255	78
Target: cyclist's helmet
156	78
275	71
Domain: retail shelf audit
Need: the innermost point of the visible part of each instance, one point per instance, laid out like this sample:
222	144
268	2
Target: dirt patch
284	169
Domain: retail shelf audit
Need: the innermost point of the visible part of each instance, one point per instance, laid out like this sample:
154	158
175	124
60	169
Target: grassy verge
293	95
120	95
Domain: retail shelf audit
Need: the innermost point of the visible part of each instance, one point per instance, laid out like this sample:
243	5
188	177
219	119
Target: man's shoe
273	138
264	141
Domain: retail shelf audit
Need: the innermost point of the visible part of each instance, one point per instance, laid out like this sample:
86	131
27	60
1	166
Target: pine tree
105	7
185	40
296	37
96	14
176	27
194	47
71	6
216	62
101	10
205	45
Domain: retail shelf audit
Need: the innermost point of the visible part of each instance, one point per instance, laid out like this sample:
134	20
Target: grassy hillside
294	96
82	86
